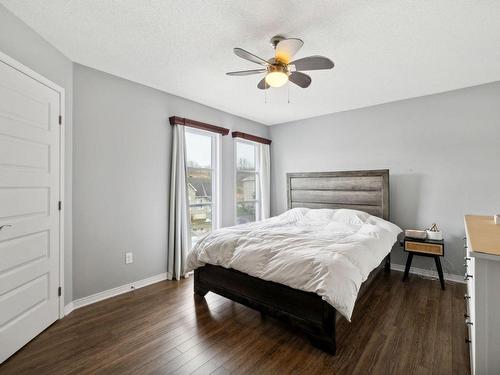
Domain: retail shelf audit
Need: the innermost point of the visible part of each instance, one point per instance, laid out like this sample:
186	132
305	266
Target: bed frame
362	190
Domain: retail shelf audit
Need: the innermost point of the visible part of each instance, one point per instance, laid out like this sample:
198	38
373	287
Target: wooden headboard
358	190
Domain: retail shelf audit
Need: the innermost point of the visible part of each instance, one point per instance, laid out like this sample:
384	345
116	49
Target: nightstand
426	248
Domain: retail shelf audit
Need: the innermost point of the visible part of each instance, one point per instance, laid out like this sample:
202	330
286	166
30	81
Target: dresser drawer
425	248
469	274
470	340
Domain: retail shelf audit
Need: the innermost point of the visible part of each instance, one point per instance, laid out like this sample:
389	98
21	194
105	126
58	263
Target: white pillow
350	216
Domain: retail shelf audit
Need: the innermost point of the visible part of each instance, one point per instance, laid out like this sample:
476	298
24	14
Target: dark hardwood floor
411	328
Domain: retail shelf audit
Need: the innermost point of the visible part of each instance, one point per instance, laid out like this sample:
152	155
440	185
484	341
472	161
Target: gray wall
121	162
22	43
442	152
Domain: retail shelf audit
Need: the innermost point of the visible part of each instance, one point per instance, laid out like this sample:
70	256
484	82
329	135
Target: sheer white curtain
178	230
265	181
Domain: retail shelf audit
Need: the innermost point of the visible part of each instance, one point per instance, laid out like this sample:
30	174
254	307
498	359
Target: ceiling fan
280	69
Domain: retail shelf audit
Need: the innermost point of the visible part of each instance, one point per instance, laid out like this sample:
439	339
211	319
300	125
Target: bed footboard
304	310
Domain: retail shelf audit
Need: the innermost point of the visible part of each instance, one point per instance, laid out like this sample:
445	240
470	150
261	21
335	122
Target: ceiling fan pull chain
288	88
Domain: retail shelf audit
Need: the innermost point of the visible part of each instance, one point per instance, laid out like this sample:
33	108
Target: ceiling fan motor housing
277	67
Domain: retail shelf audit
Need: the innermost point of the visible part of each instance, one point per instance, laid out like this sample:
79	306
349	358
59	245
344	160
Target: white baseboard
428	273
68	309
76	304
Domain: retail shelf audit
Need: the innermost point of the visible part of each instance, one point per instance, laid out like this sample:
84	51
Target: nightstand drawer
426	248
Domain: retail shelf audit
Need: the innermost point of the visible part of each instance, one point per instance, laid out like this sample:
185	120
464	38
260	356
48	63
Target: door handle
5	226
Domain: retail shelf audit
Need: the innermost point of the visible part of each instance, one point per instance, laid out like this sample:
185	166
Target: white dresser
483	293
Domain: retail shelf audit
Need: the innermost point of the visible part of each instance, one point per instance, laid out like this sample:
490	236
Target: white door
29	208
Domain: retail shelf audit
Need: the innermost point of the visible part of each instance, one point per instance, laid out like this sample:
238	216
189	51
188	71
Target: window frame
215	171
256	171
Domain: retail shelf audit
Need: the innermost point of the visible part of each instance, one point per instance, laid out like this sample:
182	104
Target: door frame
46	82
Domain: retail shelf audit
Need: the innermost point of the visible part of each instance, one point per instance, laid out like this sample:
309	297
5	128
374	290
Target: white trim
215	158
164	276
257	178
68	309
62	157
218	179
29	72
76	304
429	273
62	95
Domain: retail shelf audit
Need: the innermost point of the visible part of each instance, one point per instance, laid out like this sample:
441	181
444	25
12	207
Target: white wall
122	142
22	43
442	152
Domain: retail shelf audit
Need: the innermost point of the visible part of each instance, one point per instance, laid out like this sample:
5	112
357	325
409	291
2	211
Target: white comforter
328	252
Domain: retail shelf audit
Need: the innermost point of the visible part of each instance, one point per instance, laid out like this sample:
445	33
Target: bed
366	191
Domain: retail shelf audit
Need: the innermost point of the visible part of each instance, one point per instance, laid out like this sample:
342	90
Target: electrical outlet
129	258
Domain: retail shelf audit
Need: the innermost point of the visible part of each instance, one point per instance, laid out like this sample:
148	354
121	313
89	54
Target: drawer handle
468	322
466	297
466	259
467	277
468	341
466	316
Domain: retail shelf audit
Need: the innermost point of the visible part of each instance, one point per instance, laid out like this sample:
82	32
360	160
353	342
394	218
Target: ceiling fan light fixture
276	79
281	68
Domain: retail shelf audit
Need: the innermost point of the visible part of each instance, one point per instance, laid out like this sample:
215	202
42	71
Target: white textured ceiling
383	50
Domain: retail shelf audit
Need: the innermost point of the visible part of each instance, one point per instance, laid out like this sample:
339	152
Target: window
202	171
247	182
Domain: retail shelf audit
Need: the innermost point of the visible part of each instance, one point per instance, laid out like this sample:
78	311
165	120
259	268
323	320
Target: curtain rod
250	137
197	124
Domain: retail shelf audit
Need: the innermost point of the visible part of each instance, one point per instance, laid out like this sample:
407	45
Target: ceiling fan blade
287	48
300	79
313	63
246	72
262	84
249	56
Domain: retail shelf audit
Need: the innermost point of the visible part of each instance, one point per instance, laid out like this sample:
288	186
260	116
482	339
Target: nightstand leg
408	264
440	271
